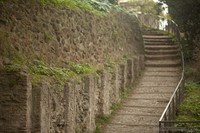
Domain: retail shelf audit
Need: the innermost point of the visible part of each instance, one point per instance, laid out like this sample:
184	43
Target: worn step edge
161	57
164	47
156	37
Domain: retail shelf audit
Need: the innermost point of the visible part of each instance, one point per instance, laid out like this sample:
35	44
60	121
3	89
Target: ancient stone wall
58	36
68	108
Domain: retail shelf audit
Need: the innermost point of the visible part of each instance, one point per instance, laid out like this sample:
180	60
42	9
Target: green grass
100	121
96	8
190	107
38	69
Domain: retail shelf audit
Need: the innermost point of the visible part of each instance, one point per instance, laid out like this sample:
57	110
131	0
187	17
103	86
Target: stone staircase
143	108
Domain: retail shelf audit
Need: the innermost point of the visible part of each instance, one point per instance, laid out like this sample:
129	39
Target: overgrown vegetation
37	68
186	14
100	121
97	7
190	107
92	6
147	6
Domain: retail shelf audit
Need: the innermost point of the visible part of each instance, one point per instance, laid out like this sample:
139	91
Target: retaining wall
67	108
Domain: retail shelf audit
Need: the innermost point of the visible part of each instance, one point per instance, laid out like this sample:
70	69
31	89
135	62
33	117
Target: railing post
173	109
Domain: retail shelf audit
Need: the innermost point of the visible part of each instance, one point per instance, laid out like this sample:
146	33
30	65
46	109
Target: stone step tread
160	47
157	37
135	120
154	33
161	69
158	43
153	96
162	50
159	79
147	102
159	83
153	90
157	40
120	128
161	56
161	74
139	111
163	62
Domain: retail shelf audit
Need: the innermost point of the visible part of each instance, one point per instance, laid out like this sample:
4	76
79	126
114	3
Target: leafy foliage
147	6
101	6
75	69
186	14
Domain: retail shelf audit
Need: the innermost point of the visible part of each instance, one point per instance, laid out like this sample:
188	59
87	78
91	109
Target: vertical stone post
40	108
69	107
116	91
105	98
141	63
15	102
123	72
89	91
136	67
130	72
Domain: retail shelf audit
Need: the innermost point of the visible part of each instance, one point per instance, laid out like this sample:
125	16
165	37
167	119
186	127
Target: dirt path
142	110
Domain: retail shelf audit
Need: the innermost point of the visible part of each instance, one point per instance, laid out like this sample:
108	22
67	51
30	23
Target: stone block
104	96
40	108
115	87
89	89
15	102
136	67
70	107
130	72
123	77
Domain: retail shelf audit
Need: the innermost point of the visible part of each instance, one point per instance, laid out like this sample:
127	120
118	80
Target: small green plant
125	57
47	37
116	106
18	61
81	68
100	121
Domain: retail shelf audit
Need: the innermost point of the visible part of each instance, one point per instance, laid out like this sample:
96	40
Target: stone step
162	57
156	37
155	89
161	47
158	83
121	128
143	103
149	98
139	111
158	73
163	69
163	63
147	33
158	43
159	79
161	52
157	40
135	120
